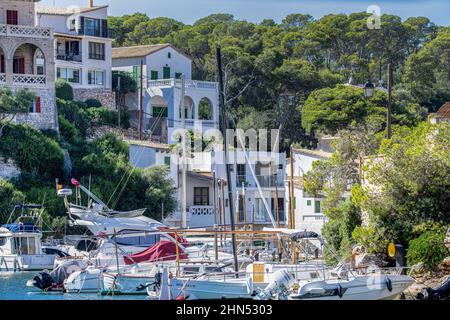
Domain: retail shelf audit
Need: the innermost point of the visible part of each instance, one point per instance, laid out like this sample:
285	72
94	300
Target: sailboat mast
227	165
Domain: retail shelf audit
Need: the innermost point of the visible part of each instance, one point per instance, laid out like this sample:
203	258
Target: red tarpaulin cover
161	251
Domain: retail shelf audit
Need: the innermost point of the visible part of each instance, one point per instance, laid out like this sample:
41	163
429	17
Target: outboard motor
43	281
280	286
441	293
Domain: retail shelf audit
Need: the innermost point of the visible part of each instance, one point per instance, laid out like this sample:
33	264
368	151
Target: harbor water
13	286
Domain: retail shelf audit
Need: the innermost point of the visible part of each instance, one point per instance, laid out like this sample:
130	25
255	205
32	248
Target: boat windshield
24	245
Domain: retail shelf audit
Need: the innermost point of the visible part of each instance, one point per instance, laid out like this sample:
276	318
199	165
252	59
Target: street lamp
369	89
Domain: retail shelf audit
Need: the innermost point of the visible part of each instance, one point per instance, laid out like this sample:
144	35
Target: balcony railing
2	78
201	210
25	31
29	79
264	181
194	84
71	56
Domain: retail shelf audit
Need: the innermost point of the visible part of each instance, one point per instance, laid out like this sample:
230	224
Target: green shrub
9	197
63	90
75	113
102	116
93	103
32	151
428	248
371	238
67	129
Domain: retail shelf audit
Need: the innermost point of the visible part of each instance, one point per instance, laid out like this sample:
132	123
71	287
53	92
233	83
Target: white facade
307	208
203	166
162	67
82	45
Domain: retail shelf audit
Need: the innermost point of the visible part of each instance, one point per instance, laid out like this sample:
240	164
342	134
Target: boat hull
36	262
210	289
366	288
125	284
88	281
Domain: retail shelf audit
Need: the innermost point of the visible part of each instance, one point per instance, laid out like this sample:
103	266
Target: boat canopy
303	235
22	227
161	251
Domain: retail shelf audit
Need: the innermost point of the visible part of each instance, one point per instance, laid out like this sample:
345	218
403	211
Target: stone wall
105	96
8	169
47	118
25	8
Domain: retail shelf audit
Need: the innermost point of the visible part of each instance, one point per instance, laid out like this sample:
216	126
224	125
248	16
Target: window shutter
81	30
105	28
21	65
2	64
38	105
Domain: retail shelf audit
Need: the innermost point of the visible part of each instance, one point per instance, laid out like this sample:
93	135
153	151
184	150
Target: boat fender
340	291
389	284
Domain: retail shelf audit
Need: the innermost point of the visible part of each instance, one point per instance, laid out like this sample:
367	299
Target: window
96	77
72	25
136	72
96	51
178	75
317	206
68	74
12	17
167	161
154	75
19	65
2	63
2	241
201	196
166	72
308	203
169	55
92	27
159	111
36	108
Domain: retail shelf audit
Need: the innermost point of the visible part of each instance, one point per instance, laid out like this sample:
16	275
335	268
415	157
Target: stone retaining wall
8	169
105	96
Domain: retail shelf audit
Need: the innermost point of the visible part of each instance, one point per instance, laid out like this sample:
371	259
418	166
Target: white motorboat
375	286
137	278
20	242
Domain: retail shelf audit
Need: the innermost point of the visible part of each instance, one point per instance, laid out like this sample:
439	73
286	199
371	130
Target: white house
260	198
82	49
307	207
163	66
27	61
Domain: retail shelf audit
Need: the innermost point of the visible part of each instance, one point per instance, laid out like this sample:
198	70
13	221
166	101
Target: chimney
90	3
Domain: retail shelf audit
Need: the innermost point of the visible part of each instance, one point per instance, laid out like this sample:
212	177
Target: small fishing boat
365	287
20	242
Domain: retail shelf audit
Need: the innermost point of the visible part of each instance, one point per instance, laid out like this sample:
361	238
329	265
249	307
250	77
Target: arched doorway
157	124
189	108
205	109
28	59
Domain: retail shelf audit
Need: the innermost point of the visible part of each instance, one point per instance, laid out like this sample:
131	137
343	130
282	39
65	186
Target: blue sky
188	11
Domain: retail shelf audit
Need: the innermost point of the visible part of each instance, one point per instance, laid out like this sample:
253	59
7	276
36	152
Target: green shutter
316	206
167	161
154	75
166	72
137	73
308	203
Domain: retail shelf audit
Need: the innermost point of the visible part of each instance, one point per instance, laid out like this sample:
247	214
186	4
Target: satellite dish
64	192
391	250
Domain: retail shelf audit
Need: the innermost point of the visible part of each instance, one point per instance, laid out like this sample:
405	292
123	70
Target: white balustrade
195	84
25	31
201	210
28	79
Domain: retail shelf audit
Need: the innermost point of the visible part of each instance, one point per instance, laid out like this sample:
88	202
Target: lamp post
369	89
